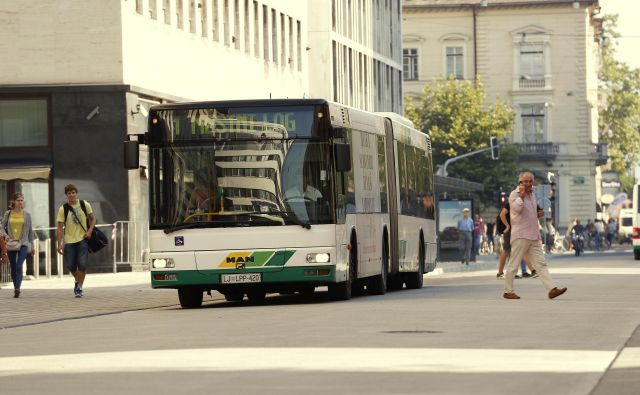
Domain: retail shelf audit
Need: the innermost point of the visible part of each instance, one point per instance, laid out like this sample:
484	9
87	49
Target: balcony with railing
538	151
527	82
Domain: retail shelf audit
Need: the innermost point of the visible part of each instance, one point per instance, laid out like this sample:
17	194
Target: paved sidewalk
52	299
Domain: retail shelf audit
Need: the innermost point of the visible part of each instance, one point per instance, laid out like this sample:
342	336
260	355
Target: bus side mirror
131	154
342	153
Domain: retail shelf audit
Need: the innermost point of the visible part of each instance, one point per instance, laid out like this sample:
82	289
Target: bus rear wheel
190	298
415	280
377	285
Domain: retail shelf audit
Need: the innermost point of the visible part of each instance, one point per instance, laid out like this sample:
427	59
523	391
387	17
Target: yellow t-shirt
16	224
73	232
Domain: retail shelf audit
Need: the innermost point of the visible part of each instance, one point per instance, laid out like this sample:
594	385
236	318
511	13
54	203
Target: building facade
541	56
78	77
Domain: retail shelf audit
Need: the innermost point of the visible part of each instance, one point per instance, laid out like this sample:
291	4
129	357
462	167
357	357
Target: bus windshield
265	181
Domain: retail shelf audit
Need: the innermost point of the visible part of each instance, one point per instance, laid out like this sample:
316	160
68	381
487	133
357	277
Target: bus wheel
636	255
256	296
190	298
378	284
342	291
415	279
234	296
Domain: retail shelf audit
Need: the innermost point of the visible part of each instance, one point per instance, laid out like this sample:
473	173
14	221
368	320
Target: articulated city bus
260	196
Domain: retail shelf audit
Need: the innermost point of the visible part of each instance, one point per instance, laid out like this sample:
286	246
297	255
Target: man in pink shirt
525	238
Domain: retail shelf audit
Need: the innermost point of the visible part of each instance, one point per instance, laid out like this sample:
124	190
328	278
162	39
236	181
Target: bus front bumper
218	279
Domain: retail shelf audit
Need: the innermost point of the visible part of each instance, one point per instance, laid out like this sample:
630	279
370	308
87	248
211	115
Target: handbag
98	239
13	245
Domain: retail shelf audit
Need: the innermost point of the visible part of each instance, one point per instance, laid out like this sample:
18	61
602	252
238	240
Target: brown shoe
510	295
554	293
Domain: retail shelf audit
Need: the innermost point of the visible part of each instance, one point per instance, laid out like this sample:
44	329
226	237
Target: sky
628	27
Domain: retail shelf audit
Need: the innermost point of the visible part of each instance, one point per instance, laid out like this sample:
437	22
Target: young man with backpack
78	220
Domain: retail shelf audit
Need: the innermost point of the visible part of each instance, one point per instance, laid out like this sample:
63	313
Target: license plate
241	278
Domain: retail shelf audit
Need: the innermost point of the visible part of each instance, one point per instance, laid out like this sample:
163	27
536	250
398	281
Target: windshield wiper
186	226
288	214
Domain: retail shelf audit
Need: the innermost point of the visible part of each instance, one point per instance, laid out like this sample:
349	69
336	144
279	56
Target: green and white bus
261	196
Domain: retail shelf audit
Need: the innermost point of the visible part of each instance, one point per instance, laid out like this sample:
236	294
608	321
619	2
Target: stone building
541	56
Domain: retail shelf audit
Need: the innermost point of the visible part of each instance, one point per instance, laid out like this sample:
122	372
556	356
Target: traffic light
493	142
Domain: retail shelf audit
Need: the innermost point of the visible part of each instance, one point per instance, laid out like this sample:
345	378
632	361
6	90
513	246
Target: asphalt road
457	335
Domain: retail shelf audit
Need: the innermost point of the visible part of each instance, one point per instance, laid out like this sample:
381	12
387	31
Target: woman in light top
16	222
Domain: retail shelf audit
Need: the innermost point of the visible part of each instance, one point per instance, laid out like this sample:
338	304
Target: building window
410	63
236	25
265	32
531	66
179	9
455	62
214	20
274	36
533	123
299	44
166	10
23	123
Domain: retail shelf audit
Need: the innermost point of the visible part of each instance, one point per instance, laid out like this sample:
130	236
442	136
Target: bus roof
239	103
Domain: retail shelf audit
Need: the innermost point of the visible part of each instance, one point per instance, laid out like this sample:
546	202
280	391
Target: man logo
236	260
240	266
179	241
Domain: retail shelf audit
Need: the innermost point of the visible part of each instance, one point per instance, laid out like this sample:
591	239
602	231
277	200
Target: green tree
458	119
619	120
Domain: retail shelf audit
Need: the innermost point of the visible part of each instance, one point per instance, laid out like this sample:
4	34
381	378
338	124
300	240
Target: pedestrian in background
16	223
465	231
478	231
525	238
78	222
491	230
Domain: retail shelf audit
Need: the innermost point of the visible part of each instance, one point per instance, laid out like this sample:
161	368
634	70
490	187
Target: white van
635	235
625	225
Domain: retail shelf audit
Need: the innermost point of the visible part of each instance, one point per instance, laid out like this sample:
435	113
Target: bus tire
342	290
415	280
190	298
378	284
636	255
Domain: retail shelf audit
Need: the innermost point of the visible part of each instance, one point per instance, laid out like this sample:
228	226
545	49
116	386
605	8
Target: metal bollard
47	258
36	258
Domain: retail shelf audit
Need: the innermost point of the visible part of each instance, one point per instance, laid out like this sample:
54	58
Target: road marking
385	360
628	358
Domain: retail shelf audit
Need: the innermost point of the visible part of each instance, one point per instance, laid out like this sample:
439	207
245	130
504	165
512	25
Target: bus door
392	197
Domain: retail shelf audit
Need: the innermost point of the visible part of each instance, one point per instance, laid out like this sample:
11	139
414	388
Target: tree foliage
619	120
458	119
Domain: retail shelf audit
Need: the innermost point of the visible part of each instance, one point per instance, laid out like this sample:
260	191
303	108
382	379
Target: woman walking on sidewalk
16	222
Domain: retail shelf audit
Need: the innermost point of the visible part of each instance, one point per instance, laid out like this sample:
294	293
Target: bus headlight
322	257
163	263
